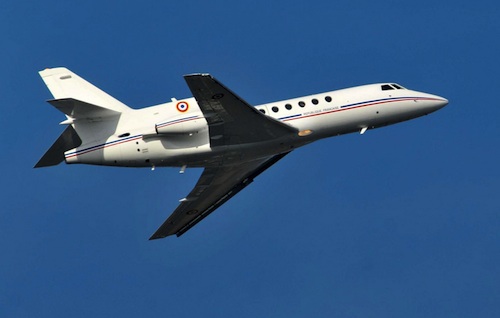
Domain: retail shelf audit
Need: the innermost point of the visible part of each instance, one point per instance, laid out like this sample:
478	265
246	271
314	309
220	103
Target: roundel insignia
182	106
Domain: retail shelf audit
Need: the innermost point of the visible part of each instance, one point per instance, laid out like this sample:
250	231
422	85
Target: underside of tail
88	111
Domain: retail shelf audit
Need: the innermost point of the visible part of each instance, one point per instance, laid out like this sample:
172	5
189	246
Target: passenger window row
301	104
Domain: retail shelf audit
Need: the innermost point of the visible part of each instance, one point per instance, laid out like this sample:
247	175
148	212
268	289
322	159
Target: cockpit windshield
387	87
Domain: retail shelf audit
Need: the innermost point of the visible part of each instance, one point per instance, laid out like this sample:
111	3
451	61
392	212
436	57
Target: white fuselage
176	133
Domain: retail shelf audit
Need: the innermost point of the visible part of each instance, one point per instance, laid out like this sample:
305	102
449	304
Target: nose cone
435	102
441	102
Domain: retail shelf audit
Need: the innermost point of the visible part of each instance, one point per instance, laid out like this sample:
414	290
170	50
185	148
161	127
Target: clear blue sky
403	221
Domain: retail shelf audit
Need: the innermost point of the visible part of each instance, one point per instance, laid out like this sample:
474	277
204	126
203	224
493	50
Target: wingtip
198	75
155	237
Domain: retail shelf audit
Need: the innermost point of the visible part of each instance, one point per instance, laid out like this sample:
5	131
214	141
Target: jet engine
181	126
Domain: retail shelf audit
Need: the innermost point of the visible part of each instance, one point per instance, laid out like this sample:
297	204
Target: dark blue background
400	222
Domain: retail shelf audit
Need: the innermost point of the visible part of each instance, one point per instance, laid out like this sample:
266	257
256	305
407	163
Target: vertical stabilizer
64	84
92	115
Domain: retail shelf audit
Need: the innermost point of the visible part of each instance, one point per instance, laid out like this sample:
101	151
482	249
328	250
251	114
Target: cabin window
275	109
328	99
288	106
387	87
262	111
302	104
315	101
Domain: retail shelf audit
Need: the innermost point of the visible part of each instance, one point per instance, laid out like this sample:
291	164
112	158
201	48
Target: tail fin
89	112
66	85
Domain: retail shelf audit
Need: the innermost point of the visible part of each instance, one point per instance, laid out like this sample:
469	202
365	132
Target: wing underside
214	188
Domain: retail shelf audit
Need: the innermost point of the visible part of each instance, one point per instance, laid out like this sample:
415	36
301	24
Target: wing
230	119
215	186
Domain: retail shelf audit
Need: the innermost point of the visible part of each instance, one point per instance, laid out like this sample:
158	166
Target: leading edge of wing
215	186
231	120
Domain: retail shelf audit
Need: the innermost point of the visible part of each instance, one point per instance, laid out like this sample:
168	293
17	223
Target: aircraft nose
441	102
437	102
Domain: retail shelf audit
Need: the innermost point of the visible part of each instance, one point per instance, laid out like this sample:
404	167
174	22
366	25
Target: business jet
216	129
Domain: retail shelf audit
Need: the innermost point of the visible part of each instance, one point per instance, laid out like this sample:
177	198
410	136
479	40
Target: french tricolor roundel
182	106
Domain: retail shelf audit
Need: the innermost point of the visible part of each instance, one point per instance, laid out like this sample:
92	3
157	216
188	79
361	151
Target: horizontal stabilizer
55	155
78	109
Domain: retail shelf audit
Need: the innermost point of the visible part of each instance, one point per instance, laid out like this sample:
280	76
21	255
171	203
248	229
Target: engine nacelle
182	125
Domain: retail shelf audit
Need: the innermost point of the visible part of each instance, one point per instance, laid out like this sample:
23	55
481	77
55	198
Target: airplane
216	129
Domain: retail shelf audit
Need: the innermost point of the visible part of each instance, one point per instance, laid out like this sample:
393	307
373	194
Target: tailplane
69	139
